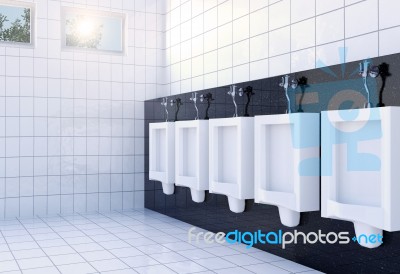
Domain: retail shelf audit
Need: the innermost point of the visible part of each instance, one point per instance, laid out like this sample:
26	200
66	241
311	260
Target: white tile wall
279	14
388	45
302	60
259	69
224	57
71	122
330	27
327	6
388	14
253	39
279	64
361	18
279	41
303	34
366	45
259	47
259	22
241	54
329	54
302	9
242	28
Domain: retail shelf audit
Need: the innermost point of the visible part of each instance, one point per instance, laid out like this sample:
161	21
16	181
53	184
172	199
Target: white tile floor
140	241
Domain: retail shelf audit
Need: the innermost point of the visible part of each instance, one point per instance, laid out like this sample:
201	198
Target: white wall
211	43
71	122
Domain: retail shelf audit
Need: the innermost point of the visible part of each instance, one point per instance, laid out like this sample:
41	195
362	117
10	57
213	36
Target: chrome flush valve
285	84
365	71
164	103
232	92
194	100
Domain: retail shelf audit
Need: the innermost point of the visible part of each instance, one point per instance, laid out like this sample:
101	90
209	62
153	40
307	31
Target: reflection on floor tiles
140	241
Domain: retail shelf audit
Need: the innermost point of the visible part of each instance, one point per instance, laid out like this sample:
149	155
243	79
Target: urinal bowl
288	217
198	196
364	231
162	155
191	157
168	188
231	163
360	177
236	205
367	220
287	163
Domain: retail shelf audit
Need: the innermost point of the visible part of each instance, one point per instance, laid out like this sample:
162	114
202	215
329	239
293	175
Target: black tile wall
328	88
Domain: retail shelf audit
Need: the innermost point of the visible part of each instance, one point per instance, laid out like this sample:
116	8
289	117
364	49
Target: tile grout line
67	244
1	233
120	219
34	240
120	238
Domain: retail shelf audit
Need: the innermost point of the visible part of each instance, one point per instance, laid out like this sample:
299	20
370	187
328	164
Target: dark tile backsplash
336	87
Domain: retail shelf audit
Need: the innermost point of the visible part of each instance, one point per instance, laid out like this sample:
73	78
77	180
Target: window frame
83	11
32	8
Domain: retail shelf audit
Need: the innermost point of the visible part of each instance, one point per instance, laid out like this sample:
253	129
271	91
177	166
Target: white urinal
162	155
232	160
360	172
191	157
287	161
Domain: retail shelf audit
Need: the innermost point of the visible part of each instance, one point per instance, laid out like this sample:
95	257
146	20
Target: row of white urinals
275	160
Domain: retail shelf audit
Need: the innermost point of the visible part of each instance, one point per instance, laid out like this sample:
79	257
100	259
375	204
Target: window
103	31
16	22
